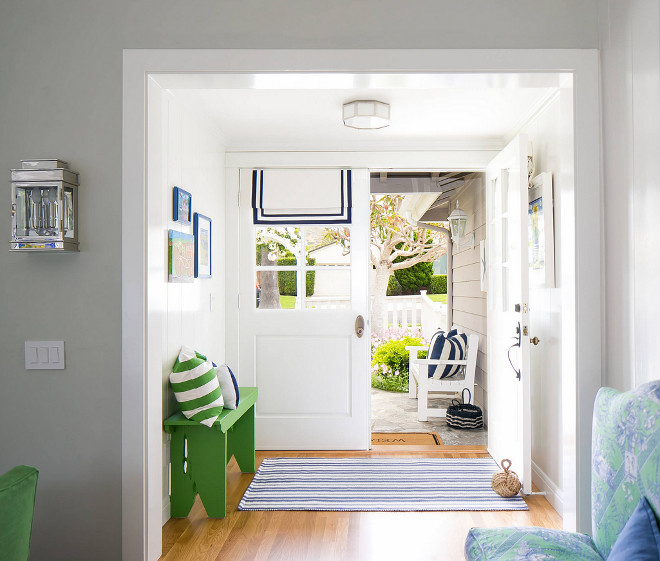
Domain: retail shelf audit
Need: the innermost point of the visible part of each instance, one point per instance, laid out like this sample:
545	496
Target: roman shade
301	196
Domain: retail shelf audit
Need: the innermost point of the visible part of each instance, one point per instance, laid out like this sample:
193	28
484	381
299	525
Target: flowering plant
389	364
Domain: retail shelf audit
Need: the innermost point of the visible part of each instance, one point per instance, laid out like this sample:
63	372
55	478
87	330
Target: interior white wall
551	135
630	43
185	150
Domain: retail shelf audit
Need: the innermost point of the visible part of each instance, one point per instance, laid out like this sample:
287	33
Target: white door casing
311	368
509	415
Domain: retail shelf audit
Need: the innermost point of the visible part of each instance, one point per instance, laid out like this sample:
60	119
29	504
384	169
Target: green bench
199	456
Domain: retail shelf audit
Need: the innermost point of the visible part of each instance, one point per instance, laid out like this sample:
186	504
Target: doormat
406	438
376	484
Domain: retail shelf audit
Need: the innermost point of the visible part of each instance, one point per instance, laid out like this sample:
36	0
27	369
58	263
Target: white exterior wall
468	301
630	43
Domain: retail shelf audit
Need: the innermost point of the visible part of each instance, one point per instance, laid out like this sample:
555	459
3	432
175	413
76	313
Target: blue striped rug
376	484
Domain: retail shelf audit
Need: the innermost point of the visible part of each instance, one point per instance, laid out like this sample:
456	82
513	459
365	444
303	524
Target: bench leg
240	442
412	385
207	466
422	403
183	492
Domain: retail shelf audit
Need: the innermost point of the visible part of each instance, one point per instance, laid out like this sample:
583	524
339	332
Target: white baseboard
552	492
166	510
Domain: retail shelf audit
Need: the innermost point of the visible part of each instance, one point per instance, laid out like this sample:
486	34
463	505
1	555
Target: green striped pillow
196	387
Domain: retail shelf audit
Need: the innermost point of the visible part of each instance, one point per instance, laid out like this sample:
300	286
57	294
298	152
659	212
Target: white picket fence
400	311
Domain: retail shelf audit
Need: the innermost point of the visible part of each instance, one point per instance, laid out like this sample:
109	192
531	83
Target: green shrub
286	280
393	287
438	284
389	364
415	277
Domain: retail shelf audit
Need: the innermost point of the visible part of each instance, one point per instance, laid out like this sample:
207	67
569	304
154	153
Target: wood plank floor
337	536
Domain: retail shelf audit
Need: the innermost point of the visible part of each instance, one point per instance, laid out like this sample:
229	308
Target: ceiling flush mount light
366	114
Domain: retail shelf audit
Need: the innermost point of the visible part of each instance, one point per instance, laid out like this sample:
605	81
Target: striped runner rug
376	484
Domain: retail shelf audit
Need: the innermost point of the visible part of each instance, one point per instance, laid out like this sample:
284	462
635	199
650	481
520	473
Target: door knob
534	340
359	326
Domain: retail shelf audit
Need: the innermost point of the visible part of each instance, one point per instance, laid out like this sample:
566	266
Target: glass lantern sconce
457	224
44	207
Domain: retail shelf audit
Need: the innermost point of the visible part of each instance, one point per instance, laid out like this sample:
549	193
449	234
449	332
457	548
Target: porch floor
396	412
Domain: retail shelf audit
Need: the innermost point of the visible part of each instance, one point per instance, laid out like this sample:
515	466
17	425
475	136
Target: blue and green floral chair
625	469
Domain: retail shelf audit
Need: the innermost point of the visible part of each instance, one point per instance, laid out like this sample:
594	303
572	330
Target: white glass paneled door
509	416
301	289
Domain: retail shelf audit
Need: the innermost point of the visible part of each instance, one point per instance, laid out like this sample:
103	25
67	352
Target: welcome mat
406	438
376	484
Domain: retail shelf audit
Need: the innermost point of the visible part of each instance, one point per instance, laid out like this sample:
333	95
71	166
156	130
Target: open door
301	297
509	418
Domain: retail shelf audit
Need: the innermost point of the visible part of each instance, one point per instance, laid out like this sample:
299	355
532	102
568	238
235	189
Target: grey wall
61	96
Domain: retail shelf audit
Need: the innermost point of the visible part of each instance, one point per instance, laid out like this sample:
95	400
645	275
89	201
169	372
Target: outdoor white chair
420	385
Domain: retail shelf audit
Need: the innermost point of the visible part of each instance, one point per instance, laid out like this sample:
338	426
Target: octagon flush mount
366	114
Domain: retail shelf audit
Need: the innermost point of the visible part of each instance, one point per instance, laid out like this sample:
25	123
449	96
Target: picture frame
181	206
541	238
203	246
180	256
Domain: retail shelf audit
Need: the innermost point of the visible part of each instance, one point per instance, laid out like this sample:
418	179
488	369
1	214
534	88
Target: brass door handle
534	340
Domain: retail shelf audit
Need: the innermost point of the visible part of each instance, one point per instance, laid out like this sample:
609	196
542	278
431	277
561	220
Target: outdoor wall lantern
457	224
366	114
44	207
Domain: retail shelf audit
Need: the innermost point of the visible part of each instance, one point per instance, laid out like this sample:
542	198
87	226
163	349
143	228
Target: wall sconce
457	224
44	207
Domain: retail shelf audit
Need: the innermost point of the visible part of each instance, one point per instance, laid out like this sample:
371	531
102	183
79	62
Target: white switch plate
44	355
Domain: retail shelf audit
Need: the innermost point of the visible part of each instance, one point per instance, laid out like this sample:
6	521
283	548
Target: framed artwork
202	229
180	257
541	239
182	206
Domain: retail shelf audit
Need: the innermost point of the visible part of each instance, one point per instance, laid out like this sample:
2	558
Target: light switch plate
44	355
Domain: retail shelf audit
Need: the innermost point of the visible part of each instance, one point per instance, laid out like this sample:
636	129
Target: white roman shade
301	196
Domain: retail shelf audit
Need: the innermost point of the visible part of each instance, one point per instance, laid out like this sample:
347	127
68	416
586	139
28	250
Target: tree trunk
379	307
270	289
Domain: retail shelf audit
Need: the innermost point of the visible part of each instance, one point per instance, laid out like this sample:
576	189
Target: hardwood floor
337	536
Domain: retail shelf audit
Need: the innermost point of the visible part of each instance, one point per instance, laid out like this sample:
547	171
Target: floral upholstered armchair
625	468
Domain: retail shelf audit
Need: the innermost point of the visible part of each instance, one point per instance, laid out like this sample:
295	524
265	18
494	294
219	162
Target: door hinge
238	301
238	203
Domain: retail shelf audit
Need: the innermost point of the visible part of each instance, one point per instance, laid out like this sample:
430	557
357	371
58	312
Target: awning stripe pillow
196	387
301	196
450	347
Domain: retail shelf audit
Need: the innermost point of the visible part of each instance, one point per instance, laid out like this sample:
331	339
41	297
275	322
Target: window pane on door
277	246
328	246
277	290
331	289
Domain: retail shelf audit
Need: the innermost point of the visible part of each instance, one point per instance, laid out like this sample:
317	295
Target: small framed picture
202	229
180	256
182	206
541	241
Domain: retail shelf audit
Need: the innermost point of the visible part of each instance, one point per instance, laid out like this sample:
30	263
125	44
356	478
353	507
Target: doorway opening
142	387
413	249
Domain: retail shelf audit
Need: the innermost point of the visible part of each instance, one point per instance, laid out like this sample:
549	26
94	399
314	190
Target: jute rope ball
506	483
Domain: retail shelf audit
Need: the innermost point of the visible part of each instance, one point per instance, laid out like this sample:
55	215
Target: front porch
396	412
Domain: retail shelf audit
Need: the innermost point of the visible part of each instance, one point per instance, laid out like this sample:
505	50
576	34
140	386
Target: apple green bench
199	456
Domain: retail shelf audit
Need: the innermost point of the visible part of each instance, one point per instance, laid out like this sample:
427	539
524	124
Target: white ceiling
427	112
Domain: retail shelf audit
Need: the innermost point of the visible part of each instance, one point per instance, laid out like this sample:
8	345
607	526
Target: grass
438	297
288	302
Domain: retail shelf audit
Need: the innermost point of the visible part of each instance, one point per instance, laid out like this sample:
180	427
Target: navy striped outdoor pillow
452	346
